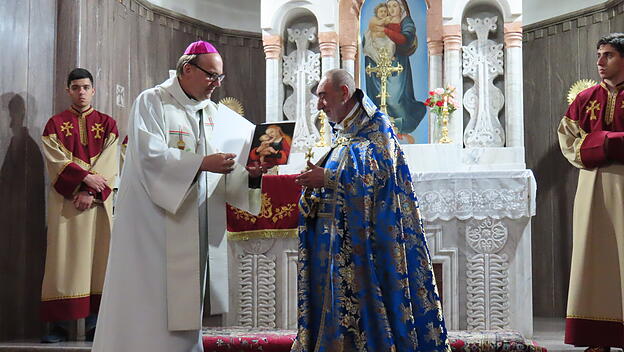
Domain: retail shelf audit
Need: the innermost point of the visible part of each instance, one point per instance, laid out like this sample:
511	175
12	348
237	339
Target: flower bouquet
442	103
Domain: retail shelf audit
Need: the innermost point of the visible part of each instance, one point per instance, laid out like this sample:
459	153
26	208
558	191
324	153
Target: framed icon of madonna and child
395	30
271	144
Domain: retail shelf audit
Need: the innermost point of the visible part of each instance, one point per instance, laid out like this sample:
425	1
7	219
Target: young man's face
81	92
610	63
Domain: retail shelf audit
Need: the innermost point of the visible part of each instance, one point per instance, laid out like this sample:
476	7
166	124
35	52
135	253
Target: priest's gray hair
339	77
183	60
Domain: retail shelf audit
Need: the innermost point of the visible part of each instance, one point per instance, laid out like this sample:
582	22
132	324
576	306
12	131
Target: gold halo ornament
233	104
578	87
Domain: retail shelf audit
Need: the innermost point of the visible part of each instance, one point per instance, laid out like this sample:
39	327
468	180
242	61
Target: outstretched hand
220	163
314	177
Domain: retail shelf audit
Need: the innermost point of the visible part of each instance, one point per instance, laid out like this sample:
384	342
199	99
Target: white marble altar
477	200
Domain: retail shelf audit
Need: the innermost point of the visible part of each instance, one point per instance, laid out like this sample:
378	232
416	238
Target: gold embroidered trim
82	127
83	164
349	119
594	318
82	122
610	107
266	211
70	297
577	151
60	172
256	234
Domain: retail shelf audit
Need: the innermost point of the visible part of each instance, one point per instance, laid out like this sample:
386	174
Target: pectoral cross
593	106
97	128
383	70
309	155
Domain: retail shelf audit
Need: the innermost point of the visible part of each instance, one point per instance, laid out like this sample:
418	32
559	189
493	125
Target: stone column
514	113
435	46
348	53
328	43
274	87
453	77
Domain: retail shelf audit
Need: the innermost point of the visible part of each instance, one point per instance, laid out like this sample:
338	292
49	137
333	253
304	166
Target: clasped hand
83	200
97	182
314	177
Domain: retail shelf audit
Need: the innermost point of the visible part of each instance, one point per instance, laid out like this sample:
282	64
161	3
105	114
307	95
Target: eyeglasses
213	76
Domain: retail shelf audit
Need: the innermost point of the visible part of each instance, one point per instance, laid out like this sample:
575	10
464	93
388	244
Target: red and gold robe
591	136
77	144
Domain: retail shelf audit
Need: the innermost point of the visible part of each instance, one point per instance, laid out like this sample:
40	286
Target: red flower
431	93
428	102
439	103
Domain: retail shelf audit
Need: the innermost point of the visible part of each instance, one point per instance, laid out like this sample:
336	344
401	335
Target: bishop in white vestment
174	187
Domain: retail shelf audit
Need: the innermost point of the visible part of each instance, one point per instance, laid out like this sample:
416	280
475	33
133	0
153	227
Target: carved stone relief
487	276
256	272
302	73
483	62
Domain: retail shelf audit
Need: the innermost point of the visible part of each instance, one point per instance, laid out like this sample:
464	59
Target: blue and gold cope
365	280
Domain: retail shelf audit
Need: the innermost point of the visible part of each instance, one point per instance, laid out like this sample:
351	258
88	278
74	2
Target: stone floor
548	333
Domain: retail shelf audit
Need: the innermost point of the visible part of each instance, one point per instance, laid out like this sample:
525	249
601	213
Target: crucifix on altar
383	70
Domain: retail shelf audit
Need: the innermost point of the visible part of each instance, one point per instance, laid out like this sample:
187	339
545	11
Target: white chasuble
152	298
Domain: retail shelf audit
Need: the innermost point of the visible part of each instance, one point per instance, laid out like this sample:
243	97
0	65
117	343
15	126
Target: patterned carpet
245	339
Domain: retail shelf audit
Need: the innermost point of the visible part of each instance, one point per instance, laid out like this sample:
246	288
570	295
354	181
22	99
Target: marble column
514	113
328	44
435	46
452	39
348	53
274	87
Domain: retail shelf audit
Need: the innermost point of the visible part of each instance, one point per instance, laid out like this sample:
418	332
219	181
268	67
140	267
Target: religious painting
271	144
395	70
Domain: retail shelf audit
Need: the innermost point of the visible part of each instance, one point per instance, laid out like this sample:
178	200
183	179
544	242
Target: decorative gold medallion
67	127
97	128
181	144
233	104
578	87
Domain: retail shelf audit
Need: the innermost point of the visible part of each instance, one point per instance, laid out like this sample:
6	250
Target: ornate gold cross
593	106
383	70
97	128
67	127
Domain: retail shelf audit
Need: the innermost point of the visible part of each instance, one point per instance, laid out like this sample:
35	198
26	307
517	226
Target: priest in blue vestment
365	279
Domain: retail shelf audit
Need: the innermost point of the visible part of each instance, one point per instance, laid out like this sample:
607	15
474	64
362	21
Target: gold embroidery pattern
254	234
610	108
67	127
98	129
266	211
82	126
622	106
593	106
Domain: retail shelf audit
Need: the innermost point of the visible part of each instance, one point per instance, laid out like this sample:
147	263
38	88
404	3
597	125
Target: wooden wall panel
26	98
122	42
557	53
